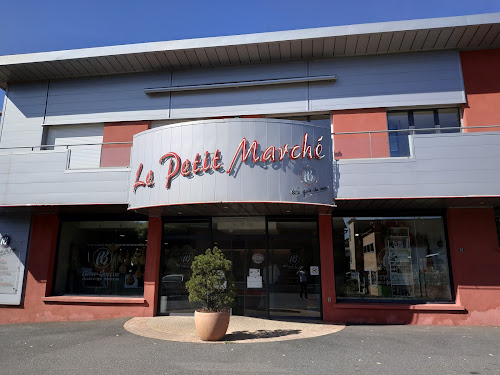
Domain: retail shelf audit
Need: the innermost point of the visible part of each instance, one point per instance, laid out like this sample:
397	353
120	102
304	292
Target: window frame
381	215
90	217
411	119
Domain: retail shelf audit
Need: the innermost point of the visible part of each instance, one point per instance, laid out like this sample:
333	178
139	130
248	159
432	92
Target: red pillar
475	256
327	271
152	274
41	255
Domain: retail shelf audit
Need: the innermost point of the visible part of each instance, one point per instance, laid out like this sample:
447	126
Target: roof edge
244	39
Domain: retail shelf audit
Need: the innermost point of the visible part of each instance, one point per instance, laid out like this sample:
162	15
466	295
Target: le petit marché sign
204	162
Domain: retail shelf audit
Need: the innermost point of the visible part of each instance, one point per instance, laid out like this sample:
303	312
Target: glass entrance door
294	281
248	258
266	258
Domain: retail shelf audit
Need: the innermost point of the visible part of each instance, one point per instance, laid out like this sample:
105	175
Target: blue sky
36	26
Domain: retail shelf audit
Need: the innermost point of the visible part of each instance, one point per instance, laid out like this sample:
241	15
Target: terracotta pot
211	326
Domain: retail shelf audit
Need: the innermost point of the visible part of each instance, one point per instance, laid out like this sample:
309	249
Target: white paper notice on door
254	282
254	272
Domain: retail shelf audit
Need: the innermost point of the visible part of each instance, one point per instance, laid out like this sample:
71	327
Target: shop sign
9	267
185	261
314	271
258	258
203	163
102	257
5	241
232	160
308	176
293	262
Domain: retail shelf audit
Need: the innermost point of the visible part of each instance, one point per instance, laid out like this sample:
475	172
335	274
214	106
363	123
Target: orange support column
152	273
327	271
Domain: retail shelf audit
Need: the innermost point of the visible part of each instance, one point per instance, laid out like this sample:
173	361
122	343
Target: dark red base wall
38	308
475	272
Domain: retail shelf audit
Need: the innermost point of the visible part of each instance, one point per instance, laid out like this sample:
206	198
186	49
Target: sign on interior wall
10	267
14	233
239	160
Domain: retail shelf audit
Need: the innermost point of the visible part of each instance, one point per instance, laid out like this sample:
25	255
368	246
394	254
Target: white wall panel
82	141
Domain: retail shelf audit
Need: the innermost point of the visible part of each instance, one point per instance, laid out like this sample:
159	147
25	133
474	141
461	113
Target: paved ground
105	347
242	329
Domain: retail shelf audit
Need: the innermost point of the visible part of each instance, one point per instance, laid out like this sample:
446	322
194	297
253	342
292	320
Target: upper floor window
426	121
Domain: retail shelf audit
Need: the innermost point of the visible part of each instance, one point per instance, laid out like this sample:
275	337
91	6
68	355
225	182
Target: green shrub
212	282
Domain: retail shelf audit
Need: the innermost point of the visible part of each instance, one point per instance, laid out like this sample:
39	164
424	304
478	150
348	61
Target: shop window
101	258
428	121
397	258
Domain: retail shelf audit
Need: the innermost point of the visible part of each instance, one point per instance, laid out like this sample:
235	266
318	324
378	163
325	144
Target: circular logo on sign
186	258
102	257
5	241
293	259
308	175
258	258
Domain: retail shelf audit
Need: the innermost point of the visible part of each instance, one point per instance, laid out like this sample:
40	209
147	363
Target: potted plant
211	284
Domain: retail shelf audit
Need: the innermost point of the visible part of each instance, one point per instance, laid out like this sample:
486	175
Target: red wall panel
481	75
363	145
119	155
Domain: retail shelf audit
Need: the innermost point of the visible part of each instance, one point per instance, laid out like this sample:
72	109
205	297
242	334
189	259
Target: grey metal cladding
427	78
388	81
40	177
23	114
444	165
17	227
106	99
248	181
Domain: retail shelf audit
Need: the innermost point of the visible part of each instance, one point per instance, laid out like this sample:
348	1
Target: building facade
369	155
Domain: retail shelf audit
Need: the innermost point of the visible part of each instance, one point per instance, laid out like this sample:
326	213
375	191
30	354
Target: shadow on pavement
260	334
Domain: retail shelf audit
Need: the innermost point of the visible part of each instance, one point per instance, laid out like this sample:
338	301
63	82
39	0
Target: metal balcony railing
86	155
390	143
346	145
